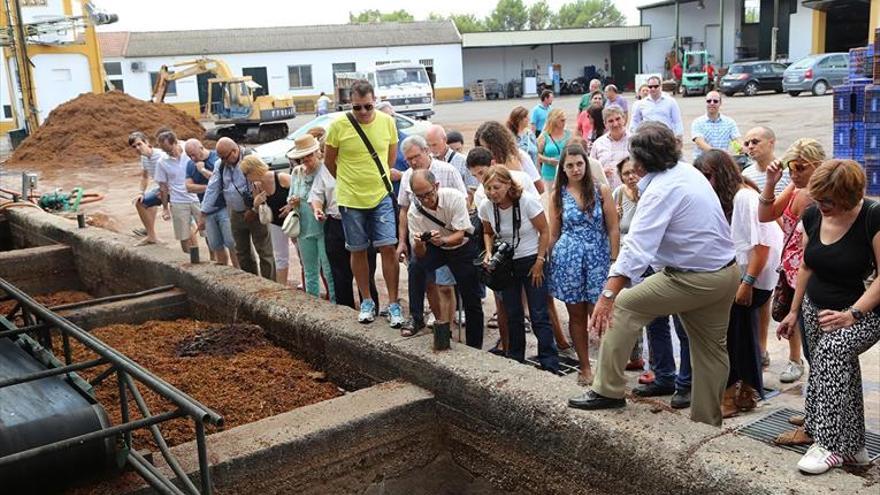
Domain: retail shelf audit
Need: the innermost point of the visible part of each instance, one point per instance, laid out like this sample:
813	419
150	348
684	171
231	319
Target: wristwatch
856	313
609	294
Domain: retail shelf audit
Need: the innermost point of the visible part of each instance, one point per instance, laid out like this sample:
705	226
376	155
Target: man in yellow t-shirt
367	209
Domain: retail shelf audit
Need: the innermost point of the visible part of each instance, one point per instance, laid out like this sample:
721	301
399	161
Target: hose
18	204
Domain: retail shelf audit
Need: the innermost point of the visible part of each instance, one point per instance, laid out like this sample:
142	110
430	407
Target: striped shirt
718	133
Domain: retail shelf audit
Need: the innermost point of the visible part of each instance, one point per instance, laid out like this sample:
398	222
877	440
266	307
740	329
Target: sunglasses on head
368	107
749	142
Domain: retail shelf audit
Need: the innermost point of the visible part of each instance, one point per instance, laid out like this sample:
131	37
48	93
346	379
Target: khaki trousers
703	302
244	232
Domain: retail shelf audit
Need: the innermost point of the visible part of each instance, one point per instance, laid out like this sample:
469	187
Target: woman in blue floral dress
584	239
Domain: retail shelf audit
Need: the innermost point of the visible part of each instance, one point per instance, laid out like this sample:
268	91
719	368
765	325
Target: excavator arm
190	68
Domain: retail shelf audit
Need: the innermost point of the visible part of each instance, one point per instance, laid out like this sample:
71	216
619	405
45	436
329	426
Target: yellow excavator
236	112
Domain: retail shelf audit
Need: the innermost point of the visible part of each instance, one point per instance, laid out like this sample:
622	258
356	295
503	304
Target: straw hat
303	146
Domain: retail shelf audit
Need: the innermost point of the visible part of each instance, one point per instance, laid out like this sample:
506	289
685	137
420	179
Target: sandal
410	329
797	420
797	436
646	377
493	321
496	349
585	380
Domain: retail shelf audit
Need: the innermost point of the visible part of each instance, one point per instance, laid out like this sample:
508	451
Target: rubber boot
745	398
728	402
442	336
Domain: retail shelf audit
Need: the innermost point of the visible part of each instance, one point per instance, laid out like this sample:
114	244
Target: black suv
751	77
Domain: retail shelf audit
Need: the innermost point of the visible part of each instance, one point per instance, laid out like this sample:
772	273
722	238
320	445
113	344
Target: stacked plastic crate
857	116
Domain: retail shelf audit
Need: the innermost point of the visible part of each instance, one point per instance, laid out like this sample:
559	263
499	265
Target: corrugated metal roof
556	36
291	38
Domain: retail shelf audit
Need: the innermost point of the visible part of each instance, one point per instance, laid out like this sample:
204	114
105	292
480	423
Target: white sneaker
793	372
366	313
395	315
459	317
819	460
860	458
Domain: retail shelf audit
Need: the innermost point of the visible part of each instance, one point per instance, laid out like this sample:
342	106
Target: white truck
405	85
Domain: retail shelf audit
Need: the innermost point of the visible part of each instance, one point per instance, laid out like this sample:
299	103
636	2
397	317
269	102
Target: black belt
682	270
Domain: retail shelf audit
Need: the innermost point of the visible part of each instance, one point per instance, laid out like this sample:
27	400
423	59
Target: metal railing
40	321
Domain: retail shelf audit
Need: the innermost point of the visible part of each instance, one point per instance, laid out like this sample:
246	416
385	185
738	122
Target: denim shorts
442	276
375	226
218	230
151	198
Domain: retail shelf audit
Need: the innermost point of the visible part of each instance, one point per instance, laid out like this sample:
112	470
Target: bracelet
765	200
749	279
543	259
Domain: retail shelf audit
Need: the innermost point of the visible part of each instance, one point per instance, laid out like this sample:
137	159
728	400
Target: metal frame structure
39	322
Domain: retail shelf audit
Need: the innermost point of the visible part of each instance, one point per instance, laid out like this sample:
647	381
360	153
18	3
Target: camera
425	236
248	198
502	254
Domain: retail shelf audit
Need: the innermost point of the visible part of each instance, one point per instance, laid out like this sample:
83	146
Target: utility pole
721	33
774	33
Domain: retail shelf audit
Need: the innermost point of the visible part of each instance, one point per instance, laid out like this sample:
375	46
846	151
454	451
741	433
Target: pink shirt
584	124
609	153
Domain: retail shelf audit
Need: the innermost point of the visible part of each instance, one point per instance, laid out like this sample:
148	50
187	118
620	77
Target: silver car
275	153
816	73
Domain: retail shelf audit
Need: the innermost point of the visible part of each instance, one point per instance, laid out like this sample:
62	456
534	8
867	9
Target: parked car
275	153
816	73
752	77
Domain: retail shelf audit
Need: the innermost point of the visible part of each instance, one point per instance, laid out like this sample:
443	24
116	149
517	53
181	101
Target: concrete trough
500	422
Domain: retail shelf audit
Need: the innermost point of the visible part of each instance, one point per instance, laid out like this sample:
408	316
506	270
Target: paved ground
790	118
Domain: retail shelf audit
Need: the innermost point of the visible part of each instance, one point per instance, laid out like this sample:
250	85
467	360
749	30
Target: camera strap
517	221
372	151
434	219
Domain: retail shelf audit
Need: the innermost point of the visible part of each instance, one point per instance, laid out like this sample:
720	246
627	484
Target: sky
168	15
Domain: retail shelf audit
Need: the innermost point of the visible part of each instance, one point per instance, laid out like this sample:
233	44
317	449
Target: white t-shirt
760	178
747	232
451	210
519	176
445	174
529	207
172	171
528	165
149	163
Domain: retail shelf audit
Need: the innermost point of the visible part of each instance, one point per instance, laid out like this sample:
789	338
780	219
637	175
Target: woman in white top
502	143
758	246
518	220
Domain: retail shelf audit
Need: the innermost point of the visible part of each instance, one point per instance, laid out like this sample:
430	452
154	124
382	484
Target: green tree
589	13
540	16
509	15
374	15
467	23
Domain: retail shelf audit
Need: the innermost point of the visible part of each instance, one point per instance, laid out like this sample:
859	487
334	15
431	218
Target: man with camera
229	185
439	226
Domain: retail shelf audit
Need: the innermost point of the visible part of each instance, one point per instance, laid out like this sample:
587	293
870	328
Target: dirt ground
790	118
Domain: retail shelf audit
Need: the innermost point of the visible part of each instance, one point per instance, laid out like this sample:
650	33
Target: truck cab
407	86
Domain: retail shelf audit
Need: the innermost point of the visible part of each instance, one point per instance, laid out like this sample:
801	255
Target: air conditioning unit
138	67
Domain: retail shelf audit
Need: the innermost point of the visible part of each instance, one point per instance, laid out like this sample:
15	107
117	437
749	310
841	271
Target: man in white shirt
657	107
146	202
441	295
439	226
171	177
760	144
679	225
322	106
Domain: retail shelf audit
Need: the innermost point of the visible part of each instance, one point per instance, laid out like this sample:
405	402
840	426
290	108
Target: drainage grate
770	426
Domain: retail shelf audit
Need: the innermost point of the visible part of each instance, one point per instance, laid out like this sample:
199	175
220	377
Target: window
778	68
117	84
751	11
170	86
761	69
402	123
300	76
113	68
839	62
825	63
7	111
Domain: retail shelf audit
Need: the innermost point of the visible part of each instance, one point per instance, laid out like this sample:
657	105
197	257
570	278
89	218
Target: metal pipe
204	467
160	440
94	382
113	298
88	437
774	31
163	484
123	405
677	42
51	372
21	330
189	405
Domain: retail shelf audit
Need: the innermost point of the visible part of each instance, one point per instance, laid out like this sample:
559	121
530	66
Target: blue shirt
718	133
539	116
665	110
526	142
401	163
228	185
193	173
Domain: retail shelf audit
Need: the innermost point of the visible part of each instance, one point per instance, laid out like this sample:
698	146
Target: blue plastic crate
871	165
843	96
872	103
872	139
858	141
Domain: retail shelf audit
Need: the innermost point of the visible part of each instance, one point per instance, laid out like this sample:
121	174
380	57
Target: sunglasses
653	86
795	166
750	142
712	101
366	108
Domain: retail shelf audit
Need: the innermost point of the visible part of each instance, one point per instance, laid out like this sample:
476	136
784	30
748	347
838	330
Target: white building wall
447	67
800	33
506	63
700	24
59	78
4	88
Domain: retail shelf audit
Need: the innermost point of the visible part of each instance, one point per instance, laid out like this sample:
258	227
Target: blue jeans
375	227
218	230
536	297
662	357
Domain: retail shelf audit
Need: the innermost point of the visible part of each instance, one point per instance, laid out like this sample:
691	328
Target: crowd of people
604	216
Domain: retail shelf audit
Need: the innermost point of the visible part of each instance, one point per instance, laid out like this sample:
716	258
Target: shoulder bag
291	224
376	160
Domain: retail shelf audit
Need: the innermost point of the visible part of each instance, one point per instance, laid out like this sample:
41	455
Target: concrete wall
800	34
700	24
447	67
506	63
512	418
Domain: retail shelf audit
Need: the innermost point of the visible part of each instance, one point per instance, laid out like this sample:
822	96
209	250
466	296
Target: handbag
265	214
291	224
783	294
